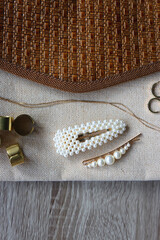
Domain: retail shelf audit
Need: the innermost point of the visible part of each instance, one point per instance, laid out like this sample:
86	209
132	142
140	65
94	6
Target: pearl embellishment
101	162
110	158
67	143
94	164
122	151
117	154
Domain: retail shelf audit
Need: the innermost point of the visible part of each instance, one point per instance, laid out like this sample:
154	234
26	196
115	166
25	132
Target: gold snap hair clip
6	123
87	136
15	154
112	156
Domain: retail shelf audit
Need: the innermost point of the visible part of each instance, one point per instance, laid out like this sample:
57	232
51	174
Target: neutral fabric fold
43	163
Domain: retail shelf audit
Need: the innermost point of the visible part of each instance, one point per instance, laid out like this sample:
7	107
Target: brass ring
153	89
23	125
150	103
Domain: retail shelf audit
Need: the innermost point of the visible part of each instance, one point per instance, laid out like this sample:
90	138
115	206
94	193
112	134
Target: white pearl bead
117	155
122	151
125	147
109	159
94	164
89	147
101	162
128	145
115	135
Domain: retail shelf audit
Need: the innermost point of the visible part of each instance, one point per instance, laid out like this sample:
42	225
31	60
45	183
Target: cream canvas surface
42	163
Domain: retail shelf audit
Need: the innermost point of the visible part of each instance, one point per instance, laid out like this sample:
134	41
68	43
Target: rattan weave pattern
79	41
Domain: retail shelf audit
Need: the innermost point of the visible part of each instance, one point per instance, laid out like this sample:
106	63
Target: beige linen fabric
142	162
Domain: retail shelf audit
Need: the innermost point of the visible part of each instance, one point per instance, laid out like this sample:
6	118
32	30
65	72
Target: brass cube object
15	154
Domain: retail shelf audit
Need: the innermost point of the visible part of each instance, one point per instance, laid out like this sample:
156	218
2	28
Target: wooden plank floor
80	211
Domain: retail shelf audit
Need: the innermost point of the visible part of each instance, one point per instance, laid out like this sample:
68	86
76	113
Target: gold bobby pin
109	158
117	105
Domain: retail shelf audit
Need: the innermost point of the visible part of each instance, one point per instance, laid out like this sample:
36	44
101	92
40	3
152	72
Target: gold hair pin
109	158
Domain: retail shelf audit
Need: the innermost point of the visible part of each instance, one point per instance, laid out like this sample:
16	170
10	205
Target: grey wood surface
80	211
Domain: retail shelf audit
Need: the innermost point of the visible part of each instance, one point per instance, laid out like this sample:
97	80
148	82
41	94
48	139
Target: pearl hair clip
110	157
87	136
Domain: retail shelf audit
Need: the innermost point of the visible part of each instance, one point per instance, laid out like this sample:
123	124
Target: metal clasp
15	154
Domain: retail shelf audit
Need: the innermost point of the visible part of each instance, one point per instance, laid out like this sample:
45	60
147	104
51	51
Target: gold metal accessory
109	158
156	98
6	123
15	155
23	125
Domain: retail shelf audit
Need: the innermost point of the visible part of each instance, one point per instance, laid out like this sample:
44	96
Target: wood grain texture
80	211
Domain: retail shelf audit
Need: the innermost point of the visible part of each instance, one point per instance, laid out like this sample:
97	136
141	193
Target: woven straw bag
80	45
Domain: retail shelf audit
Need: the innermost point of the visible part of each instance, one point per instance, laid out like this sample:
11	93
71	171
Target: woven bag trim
79	87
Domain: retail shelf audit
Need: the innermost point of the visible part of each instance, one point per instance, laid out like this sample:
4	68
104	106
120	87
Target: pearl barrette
87	136
110	157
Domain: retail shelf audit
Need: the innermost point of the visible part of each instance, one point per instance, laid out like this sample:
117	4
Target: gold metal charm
15	155
23	125
6	123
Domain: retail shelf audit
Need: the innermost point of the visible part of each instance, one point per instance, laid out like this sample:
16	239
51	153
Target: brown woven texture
80	45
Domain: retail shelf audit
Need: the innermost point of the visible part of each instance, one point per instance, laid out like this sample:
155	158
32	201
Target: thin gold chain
117	105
